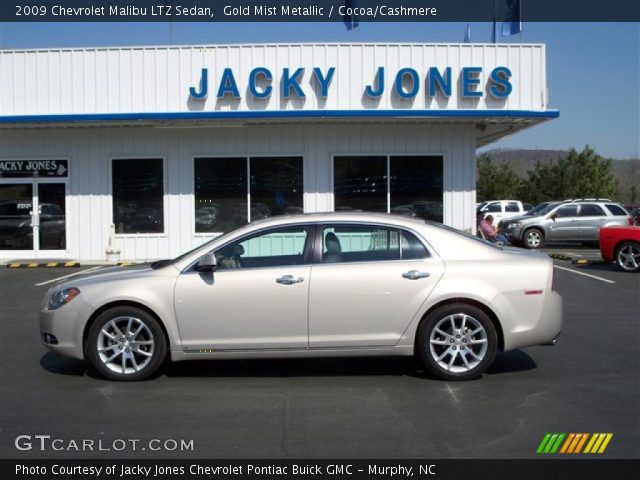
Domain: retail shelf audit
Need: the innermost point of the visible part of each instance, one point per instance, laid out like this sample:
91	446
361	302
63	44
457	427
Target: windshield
546	209
164	263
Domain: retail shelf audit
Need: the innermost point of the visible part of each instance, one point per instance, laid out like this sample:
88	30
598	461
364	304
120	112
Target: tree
496	182
578	175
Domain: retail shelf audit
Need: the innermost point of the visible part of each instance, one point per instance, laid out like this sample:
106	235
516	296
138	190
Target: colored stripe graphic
573	443
598	443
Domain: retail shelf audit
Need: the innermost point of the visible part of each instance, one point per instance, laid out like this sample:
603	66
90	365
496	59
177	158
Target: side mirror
554	216
207	263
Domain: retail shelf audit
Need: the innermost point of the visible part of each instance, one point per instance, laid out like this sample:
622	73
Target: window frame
307	254
165	199
388	156
319	242
555	212
603	212
247	157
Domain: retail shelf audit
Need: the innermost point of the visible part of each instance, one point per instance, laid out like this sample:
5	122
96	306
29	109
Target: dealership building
151	151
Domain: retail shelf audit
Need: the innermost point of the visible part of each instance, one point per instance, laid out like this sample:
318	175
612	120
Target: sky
593	69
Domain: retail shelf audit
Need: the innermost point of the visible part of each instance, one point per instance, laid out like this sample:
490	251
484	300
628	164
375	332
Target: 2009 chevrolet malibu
339	284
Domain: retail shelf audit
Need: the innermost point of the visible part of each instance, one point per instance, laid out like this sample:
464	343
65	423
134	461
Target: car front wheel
628	257
457	342
126	343
533	238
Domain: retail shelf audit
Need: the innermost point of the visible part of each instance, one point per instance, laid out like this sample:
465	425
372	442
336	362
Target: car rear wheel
533	238
457	342
126	343
628	256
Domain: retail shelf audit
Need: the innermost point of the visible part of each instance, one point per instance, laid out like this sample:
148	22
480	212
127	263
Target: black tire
622	256
429	353
142	353
533	238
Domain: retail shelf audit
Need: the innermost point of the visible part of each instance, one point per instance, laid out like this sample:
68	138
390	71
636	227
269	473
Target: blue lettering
414	78
501	87
324	81
437	81
252	82
292	81
470	79
376	92
204	86
228	84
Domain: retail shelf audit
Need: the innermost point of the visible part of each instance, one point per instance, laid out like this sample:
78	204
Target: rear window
616	210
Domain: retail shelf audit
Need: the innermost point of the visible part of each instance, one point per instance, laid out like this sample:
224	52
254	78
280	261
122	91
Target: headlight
62	297
514	225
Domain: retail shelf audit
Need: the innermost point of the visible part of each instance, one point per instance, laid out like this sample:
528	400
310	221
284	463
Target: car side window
617	210
273	248
359	243
512	207
590	210
567	211
494	207
411	247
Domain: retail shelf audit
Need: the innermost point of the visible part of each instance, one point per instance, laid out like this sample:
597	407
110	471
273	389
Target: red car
622	245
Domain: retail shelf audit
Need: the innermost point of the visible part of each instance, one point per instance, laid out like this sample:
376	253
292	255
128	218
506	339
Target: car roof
325	217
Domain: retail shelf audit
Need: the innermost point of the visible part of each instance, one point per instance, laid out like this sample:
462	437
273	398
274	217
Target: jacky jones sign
406	83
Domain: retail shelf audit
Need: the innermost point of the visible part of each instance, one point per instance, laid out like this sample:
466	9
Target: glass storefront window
416	186
360	183
273	186
220	193
276	186
413	183
138	195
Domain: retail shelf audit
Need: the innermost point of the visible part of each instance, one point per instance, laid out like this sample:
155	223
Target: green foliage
496	182
582	174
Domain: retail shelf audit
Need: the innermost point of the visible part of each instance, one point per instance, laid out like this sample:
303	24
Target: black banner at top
319	10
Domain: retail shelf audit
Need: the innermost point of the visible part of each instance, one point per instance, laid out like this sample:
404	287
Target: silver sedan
338	284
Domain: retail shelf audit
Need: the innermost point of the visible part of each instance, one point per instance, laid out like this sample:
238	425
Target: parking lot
345	408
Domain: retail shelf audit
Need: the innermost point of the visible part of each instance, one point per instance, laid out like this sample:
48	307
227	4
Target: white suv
501	209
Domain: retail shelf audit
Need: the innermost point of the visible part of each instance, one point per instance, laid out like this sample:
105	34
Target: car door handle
415	275
289	280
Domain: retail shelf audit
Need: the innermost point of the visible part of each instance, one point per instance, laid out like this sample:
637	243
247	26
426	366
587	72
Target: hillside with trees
537	175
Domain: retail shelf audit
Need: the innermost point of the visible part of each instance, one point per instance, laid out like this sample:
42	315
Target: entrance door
49	224
33	219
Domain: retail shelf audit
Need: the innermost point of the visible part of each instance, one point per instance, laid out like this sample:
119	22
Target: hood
519	218
107	274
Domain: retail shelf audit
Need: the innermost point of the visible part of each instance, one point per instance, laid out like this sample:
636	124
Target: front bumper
61	330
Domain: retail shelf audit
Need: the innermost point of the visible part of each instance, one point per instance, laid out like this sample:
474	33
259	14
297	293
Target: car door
367	285
256	299
564	224
592	217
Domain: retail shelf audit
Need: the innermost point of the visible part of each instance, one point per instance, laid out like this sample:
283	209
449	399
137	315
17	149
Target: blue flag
513	16
350	21
467	34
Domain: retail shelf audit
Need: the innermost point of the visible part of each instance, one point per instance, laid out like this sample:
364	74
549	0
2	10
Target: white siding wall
89	209
157	79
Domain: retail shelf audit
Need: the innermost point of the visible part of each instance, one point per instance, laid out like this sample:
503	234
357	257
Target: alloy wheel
458	343
125	345
629	257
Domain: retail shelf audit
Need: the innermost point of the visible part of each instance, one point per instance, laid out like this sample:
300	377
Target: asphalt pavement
332	408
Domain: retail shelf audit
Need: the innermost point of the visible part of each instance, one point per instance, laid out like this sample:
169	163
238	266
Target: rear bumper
547	329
